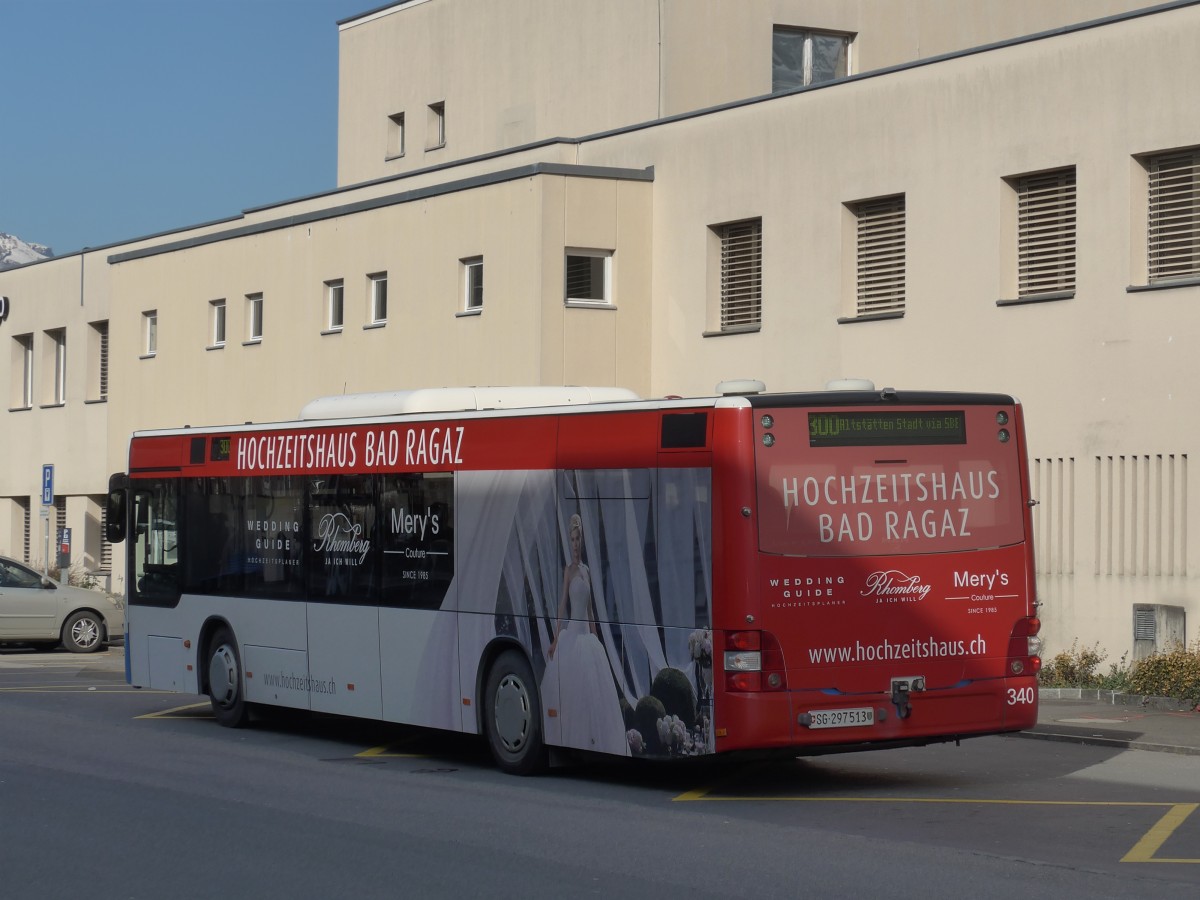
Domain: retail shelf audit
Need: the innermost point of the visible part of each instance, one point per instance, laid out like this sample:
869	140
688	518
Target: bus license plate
842	718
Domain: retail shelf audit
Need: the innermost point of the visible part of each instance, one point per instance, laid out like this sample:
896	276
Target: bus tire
225	680
512	716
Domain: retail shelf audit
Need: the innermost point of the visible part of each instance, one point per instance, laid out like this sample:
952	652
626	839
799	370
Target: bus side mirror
117	508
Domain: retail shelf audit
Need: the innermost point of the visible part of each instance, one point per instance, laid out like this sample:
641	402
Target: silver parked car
35	610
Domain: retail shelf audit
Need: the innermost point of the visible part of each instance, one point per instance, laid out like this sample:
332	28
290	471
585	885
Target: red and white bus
579	569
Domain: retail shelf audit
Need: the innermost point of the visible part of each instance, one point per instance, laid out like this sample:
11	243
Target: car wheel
512	716
225	680
83	632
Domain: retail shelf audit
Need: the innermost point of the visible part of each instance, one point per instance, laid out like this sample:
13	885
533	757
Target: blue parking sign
47	485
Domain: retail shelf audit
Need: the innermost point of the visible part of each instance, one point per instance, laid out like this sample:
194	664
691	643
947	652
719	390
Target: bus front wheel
512	716
225	680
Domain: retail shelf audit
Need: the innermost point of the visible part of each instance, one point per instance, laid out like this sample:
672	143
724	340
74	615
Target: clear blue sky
123	118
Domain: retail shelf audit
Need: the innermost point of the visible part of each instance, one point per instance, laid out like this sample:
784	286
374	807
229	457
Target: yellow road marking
169	713
386	751
1143	851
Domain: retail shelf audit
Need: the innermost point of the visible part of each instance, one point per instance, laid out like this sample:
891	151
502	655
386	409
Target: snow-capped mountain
16	252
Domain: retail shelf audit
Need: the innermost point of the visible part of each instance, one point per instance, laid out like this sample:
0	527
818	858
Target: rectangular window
57	357
1173	224
741	274
436	128
417	565
335	297
588	276
472	270
880	264
22	372
395	138
1045	232
378	312
150	332
98	361
216	319
254	318
800	57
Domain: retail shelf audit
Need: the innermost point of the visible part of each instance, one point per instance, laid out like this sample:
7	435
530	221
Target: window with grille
1046	232
741	274
101	502
880	268
23	502
587	276
102	359
1173	226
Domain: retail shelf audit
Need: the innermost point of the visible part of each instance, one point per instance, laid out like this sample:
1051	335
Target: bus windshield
887	480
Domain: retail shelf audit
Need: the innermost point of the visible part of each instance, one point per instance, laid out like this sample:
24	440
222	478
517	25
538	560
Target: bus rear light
743	661
1025	647
754	662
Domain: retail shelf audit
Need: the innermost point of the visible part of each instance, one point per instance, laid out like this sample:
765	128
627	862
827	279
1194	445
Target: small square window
254	318
395	135
473	283
588	276
335	307
435	135
216	318
800	57
378	312
150	332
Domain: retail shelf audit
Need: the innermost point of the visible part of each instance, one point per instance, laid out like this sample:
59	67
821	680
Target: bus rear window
854	482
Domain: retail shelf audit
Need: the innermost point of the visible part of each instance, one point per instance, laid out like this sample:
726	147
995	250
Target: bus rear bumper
820	722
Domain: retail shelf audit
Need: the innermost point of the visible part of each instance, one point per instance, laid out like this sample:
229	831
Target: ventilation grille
881	271
1141	521
1046	233
1054	516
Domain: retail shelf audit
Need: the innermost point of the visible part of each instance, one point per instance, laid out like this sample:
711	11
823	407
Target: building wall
524	71
1101	373
65	428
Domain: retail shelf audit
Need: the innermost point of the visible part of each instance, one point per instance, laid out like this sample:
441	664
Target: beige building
661	194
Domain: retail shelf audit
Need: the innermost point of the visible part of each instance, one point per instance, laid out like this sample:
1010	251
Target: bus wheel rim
512	713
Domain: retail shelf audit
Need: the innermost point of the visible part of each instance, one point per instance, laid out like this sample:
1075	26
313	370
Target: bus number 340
1018	696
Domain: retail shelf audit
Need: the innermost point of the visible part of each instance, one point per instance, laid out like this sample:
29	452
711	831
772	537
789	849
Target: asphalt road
108	792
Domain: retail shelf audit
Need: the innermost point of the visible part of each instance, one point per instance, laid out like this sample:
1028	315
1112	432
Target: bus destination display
886	427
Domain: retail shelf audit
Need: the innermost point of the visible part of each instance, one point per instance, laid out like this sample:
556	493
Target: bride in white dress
589	711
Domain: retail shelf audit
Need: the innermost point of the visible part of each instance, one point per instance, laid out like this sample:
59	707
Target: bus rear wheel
512	716
225	680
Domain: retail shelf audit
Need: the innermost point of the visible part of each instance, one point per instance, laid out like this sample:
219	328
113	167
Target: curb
1048	733
1116	698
